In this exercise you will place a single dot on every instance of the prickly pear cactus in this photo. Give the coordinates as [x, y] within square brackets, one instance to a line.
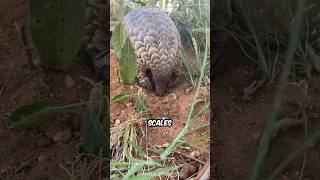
[56, 29]
[96, 36]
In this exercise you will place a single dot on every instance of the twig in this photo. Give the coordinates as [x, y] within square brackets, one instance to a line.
[26, 43]
[66, 171]
[181, 154]
[2, 87]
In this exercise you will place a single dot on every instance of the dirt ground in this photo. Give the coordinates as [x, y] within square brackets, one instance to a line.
[239, 124]
[33, 154]
[174, 105]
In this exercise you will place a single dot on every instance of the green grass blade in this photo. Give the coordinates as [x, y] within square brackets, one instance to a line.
[245, 8]
[309, 140]
[139, 149]
[134, 169]
[265, 140]
[185, 129]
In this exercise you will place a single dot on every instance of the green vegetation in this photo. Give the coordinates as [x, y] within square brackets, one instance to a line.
[131, 160]
[277, 51]
[56, 30]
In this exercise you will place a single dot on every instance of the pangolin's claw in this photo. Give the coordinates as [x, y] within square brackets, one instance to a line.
[146, 83]
[175, 81]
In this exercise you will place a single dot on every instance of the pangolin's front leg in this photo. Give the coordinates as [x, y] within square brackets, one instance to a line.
[143, 77]
[175, 79]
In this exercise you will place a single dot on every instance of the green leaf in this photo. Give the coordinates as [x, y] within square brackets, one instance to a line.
[141, 103]
[121, 97]
[125, 52]
[117, 163]
[118, 38]
[139, 149]
[57, 28]
[155, 173]
[139, 178]
[202, 30]
[29, 115]
[158, 150]
[127, 63]
[161, 171]
[134, 169]
[94, 132]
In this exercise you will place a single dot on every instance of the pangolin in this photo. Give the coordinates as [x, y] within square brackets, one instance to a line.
[96, 36]
[157, 45]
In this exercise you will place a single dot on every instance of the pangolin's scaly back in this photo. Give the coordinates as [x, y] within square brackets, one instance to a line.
[155, 39]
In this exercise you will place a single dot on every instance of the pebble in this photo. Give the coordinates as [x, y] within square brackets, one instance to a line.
[195, 154]
[189, 90]
[24, 166]
[63, 136]
[187, 170]
[43, 158]
[117, 122]
[43, 142]
[165, 100]
[129, 104]
[256, 136]
[174, 96]
[68, 81]
[77, 134]
[165, 145]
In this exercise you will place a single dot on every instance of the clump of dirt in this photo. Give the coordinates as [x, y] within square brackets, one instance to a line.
[174, 105]
[41, 152]
[239, 124]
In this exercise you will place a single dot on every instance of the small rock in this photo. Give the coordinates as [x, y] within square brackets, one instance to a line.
[189, 90]
[256, 136]
[117, 122]
[195, 154]
[43, 158]
[49, 133]
[68, 81]
[43, 142]
[23, 167]
[129, 104]
[165, 145]
[165, 100]
[180, 161]
[174, 96]
[77, 134]
[64, 136]
[187, 170]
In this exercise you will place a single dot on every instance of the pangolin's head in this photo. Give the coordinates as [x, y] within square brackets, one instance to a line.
[161, 80]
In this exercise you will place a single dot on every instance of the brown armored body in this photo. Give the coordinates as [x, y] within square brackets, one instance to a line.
[96, 36]
[157, 44]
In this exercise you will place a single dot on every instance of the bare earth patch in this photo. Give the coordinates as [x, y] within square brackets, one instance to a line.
[40, 152]
[174, 105]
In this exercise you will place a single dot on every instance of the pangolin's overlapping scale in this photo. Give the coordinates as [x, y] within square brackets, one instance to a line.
[95, 36]
[155, 38]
